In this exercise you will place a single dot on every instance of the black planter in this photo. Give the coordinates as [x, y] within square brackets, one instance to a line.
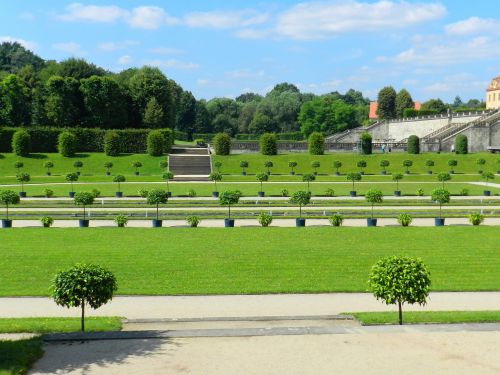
[136, 173]
[169, 194]
[22, 194]
[229, 223]
[300, 222]
[6, 223]
[215, 194]
[156, 223]
[383, 172]
[438, 222]
[429, 172]
[406, 172]
[78, 173]
[261, 194]
[337, 173]
[315, 173]
[46, 225]
[361, 173]
[108, 173]
[498, 172]
[71, 194]
[83, 223]
[243, 173]
[486, 193]
[292, 173]
[49, 174]
[352, 193]
[397, 193]
[119, 194]
[371, 222]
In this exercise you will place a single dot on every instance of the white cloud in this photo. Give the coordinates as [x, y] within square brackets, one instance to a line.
[473, 25]
[246, 73]
[225, 19]
[115, 46]
[25, 43]
[166, 51]
[125, 60]
[27, 16]
[150, 17]
[252, 33]
[92, 13]
[69, 47]
[315, 20]
[172, 64]
[455, 83]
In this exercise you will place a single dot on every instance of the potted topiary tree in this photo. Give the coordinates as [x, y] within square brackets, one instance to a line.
[121, 221]
[155, 198]
[486, 176]
[71, 177]
[261, 177]
[361, 165]
[18, 165]
[47, 221]
[308, 177]
[108, 165]
[429, 163]
[229, 198]
[292, 165]
[23, 177]
[48, 165]
[215, 177]
[168, 176]
[373, 196]
[452, 163]
[268, 164]
[119, 179]
[337, 164]
[440, 196]
[384, 164]
[8, 197]
[78, 164]
[443, 177]
[480, 162]
[243, 166]
[218, 166]
[397, 177]
[301, 198]
[265, 219]
[315, 165]
[84, 199]
[407, 164]
[353, 177]
[136, 165]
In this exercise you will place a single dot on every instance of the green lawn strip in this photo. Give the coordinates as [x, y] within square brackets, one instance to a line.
[16, 357]
[187, 261]
[52, 325]
[427, 317]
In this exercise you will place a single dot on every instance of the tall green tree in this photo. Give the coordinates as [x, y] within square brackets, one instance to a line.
[13, 56]
[154, 117]
[78, 69]
[261, 124]
[202, 122]
[186, 113]
[387, 103]
[14, 101]
[434, 105]
[403, 101]
[62, 101]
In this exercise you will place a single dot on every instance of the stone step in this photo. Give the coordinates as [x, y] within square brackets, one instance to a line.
[190, 165]
[189, 151]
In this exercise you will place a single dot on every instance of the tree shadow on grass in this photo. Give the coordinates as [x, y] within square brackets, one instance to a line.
[64, 357]
[82, 156]
[16, 356]
[2, 157]
[36, 156]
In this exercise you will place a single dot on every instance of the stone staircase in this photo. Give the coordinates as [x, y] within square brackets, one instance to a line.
[190, 163]
[339, 137]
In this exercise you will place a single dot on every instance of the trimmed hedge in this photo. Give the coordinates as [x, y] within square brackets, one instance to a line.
[21, 143]
[155, 143]
[222, 144]
[461, 144]
[66, 144]
[292, 136]
[413, 144]
[316, 144]
[268, 144]
[111, 143]
[366, 143]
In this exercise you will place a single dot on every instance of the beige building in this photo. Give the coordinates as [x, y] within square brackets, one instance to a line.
[493, 94]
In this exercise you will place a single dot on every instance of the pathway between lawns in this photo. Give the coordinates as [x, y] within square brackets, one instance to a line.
[268, 305]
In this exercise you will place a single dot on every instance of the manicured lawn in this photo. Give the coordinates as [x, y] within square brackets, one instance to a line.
[51, 325]
[180, 261]
[16, 357]
[424, 317]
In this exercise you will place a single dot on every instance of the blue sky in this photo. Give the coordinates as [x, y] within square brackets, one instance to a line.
[223, 48]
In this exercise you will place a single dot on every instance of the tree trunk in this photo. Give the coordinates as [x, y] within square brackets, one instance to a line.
[229, 210]
[372, 210]
[157, 213]
[7, 208]
[168, 187]
[300, 211]
[83, 316]
[400, 314]
[83, 212]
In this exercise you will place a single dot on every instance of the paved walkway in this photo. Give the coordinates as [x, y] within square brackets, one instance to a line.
[157, 307]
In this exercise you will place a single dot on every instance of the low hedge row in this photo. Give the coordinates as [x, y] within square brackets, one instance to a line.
[88, 139]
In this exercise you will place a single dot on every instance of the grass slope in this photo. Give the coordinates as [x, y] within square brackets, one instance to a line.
[427, 317]
[51, 325]
[180, 261]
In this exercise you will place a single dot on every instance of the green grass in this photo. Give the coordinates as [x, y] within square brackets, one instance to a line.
[51, 325]
[16, 357]
[177, 261]
[427, 317]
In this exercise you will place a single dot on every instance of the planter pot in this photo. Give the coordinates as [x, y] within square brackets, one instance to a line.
[300, 222]
[352, 193]
[169, 194]
[361, 173]
[108, 173]
[46, 225]
[337, 173]
[78, 173]
[6, 223]
[83, 223]
[215, 194]
[49, 174]
[156, 223]
[383, 172]
[292, 173]
[486, 193]
[406, 172]
[243, 173]
[438, 222]
[22, 194]
[229, 223]
[397, 193]
[268, 173]
[371, 222]
[315, 173]
[71, 194]
[136, 173]
[498, 172]
[452, 172]
[260, 194]
[429, 172]
[119, 194]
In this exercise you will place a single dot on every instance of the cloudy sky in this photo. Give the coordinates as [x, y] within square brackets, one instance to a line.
[223, 48]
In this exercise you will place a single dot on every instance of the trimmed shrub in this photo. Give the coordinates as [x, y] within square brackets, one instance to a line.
[366, 143]
[268, 144]
[47, 221]
[461, 144]
[48, 193]
[336, 220]
[155, 143]
[121, 221]
[222, 144]
[404, 219]
[284, 192]
[111, 143]
[265, 219]
[476, 219]
[193, 221]
[66, 144]
[316, 143]
[21, 143]
[413, 144]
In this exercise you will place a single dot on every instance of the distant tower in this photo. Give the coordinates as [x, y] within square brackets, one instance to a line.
[493, 94]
